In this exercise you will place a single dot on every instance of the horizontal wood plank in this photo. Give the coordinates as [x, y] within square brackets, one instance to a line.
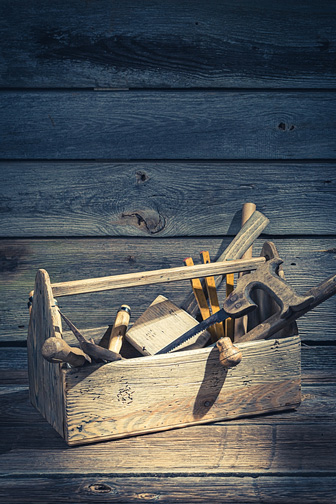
[168, 125]
[187, 489]
[163, 199]
[230, 448]
[152, 394]
[318, 367]
[307, 261]
[168, 44]
[318, 405]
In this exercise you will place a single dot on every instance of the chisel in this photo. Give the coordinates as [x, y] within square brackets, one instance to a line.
[119, 329]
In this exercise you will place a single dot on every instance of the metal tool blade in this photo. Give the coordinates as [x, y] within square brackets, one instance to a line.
[91, 349]
[214, 319]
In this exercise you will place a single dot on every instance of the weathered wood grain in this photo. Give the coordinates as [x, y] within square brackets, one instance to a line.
[163, 198]
[230, 449]
[45, 379]
[165, 275]
[318, 367]
[318, 405]
[156, 393]
[168, 44]
[180, 489]
[308, 261]
[168, 125]
[150, 333]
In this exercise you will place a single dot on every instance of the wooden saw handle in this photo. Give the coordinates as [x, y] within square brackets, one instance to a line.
[229, 355]
[56, 350]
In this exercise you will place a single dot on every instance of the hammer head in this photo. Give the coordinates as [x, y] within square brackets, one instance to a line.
[267, 279]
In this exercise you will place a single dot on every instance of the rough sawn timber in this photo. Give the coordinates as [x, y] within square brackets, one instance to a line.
[149, 394]
[45, 380]
[164, 199]
[172, 44]
[159, 125]
[165, 275]
[318, 365]
[222, 449]
[167, 489]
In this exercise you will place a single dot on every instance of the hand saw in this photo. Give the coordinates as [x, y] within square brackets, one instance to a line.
[239, 302]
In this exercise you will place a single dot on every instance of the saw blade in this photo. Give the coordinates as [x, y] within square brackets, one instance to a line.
[214, 319]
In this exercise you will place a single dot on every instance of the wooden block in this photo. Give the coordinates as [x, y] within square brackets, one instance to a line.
[161, 324]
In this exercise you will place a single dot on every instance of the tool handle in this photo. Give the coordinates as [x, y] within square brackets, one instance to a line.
[229, 355]
[266, 278]
[30, 301]
[153, 277]
[119, 328]
[275, 323]
[57, 350]
[243, 240]
[240, 324]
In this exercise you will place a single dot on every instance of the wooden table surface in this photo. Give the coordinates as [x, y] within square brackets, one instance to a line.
[283, 457]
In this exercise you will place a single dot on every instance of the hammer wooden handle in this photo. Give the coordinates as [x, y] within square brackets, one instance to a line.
[57, 350]
[240, 324]
[244, 239]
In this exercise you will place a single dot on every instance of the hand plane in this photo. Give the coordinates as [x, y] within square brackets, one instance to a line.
[239, 303]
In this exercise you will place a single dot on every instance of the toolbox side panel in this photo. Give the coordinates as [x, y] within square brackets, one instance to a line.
[156, 393]
[45, 379]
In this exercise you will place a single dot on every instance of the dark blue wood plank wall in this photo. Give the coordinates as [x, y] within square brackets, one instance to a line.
[122, 122]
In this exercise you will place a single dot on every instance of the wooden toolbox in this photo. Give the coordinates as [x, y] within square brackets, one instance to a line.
[106, 401]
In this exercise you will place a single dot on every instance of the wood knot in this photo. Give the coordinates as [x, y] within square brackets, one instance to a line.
[148, 496]
[141, 177]
[286, 127]
[149, 221]
[100, 488]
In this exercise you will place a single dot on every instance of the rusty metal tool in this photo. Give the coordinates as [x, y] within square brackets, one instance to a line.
[239, 302]
[89, 348]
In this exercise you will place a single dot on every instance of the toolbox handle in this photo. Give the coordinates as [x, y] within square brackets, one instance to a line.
[153, 277]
